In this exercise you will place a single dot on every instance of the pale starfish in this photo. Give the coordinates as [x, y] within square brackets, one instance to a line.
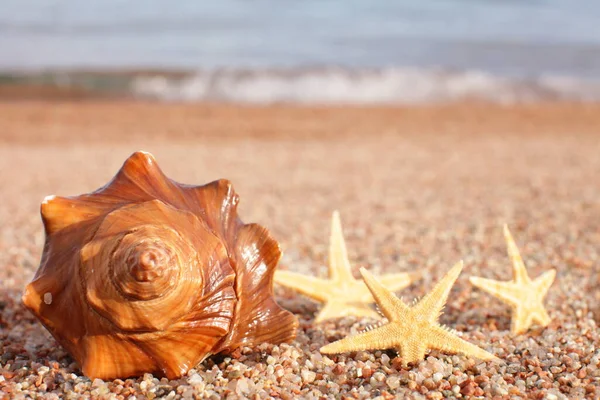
[411, 330]
[342, 294]
[523, 295]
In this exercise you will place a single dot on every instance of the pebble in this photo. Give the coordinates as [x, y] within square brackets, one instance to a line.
[242, 386]
[308, 376]
[97, 382]
[195, 379]
[393, 382]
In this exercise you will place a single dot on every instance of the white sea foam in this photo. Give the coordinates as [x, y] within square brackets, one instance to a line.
[340, 86]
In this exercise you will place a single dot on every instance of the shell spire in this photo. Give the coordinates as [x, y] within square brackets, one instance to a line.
[166, 274]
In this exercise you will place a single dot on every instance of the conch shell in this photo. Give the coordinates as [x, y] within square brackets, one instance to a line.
[149, 275]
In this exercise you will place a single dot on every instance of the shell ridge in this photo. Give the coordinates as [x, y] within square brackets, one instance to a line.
[141, 172]
[257, 316]
[55, 266]
[215, 202]
[104, 353]
[136, 172]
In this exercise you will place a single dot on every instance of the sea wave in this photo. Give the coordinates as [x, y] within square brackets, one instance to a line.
[337, 85]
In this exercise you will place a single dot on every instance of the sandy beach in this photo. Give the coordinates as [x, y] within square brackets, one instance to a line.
[417, 187]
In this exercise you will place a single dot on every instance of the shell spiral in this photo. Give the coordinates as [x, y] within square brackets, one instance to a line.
[149, 275]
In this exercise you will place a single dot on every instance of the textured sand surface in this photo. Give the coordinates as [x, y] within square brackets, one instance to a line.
[417, 188]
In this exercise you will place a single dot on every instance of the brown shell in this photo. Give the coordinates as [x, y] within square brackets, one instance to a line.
[149, 275]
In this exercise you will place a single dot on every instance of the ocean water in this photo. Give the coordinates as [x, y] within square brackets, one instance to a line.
[315, 50]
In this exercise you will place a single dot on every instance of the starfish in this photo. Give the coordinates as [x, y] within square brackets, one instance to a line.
[410, 330]
[523, 295]
[342, 294]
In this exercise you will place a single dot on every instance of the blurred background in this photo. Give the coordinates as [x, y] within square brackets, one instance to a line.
[266, 51]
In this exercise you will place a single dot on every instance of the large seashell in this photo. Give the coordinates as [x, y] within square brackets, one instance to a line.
[149, 275]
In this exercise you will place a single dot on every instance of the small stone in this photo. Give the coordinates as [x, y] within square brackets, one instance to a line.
[338, 369]
[242, 386]
[43, 370]
[429, 384]
[437, 377]
[499, 390]
[556, 370]
[385, 359]
[270, 360]
[328, 361]
[379, 377]
[195, 379]
[235, 374]
[393, 382]
[316, 358]
[308, 376]
[467, 390]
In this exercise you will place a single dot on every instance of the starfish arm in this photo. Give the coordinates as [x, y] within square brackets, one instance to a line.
[432, 304]
[544, 281]
[541, 317]
[412, 352]
[363, 295]
[392, 282]
[520, 321]
[391, 306]
[515, 257]
[339, 265]
[312, 287]
[443, 339]
[384, 337]
[396, 282]
[338, 309]
[505, 291]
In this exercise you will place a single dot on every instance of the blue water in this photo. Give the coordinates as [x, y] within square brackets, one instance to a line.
[509, 37]
[317, 50]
